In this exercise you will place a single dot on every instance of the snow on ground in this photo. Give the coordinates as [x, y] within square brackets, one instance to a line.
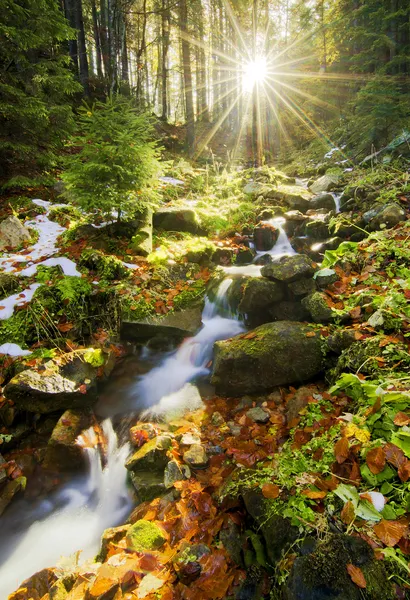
[69, 267]
[13, 350]
[7, 304]
[171, 181]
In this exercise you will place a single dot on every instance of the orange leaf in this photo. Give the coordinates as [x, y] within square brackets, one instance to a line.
[348, 515]
[341, 450]
[394, 455]
[313, 494]
[311, 334]
[401, 419]
[390, 532]
[83, 388]
[356, 575]
[65, 327]
[376, 460]
[270, 490]
[404, 471]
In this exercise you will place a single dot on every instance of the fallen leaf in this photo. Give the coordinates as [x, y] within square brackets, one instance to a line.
[401, 419]
[356, 575]
[270, 490]
[311, 334]
[149, 584]
[376, 460]
[341, 450]
[82, 389]
[348, 513]
[313, 494]
[390, 532]
[394, 455]
[63, 327]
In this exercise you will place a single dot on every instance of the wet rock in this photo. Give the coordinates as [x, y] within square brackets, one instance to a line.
[323, 200]
[324, 184]
[8, 284]
[148, 485]
[35, 587]
[387, 217]
[278, 354]
[70, 383]
[151, 456]
[177, 219]
[317, 229]
[258, 414]
[148, 429]
[13, 233]
[265, 259]
[289, 310]
[323, 573]
[326, 277]
[289, 269]
[223, 256]
[265, 237]
[112, 535]
[245, 256]
[217, 419]
[269, 213]
[302, 287]
[175, 472]
[341, 340]
[196, 457]
[318, 308]
[232, 539]
[186, 562]
[144, 535]
[63, 454]
[259, 294]
[293, 196]
[234, 428]
[10, 489]
[177, 326]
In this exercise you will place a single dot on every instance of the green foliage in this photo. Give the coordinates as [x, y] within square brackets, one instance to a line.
[116, 167]
[107, 267]
[333, 256]
[35, 87]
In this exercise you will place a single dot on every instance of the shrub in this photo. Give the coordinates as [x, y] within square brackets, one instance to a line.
[117, 164]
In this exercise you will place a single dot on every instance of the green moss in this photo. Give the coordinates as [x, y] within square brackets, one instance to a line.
[190, 296]
[106, 266]
[144, 535]
[94, 357]
[64, 215]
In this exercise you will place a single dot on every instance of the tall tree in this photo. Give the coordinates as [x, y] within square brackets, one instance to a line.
[187, 71]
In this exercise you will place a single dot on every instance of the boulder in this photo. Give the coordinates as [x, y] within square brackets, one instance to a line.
[265, 237]
[177, 326]
[9, 490]
[36, 587]
[324, 184]
[295, 197]
[289, 310]
[289, 268]
[302, 287]
[278, 353]
[317, 229]
[141, 241]
[318, 307]
[322, 573]
[177, 219]
[245, 256]
[151, 456]
[196, 457]
[223, 256]
[388, 216]
[257, 188]
[264, 259]
[13, 233]
[69, 383]
[143, 536]
[258, 294]
[323, 200]
[148, 485]
[8, 284]
[62, 453]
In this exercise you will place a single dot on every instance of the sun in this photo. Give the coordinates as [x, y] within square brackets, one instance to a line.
[254, 72]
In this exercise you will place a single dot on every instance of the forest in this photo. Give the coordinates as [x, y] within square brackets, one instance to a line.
[204, 299]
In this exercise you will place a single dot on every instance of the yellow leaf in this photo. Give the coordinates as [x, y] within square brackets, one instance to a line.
[362, 435]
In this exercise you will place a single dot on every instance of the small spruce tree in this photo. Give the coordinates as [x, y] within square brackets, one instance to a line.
[115, 170]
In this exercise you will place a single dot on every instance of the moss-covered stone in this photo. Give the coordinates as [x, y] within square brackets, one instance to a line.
[177, 219]
[294, 196]
[107, 267]
[258, 294]
[148, 485]
[143, 536]
[277, 354]
[318, 308]
[152, 455]
[289, 268]
[302, 287]
[62, 453]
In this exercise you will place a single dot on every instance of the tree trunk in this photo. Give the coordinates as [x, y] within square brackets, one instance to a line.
[69, 9]
[97, 39]
[82, 48]
[165, 31]
[186, 59]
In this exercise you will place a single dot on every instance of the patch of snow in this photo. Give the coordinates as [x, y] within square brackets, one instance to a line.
[13, 350]
[376, 498]
[69, 267]
[171, 180]
[130, 265]
[7, 304]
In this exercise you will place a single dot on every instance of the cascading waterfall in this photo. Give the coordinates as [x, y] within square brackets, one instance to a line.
[160, 389]
[336, 198]
[71, 521]
[282, 247]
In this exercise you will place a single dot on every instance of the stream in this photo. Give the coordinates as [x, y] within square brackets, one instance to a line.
[74, 517]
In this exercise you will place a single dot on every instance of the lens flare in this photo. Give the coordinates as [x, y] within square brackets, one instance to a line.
[254, 72]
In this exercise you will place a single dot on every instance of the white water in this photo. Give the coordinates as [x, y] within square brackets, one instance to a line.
[190, 361]
[282, 247]
[77, 515]
[336, 198]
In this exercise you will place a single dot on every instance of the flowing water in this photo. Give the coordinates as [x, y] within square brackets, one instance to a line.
[71, 520]
[282, 247]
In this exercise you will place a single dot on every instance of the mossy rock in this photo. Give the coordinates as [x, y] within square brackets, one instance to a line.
[275, 354]
[289, 269]
[259, 294]
[8, 284]
[177, 219]
[295, 197]
[107, 267]
[143, 536]
[323, 573]
[152, 455]
[318, 308]
[148, 485]
[62, 453]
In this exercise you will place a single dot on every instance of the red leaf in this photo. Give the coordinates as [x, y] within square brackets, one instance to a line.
[401, 419]
[65, 327]
[356, 575]
[376, 460]
[390, 532]
[394, 455]
[341, 450]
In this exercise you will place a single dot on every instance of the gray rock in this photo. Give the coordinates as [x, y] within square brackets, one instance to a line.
[317, 229]
[148, 485]
[302, 287]
[341, 340]
[245, 256]
[13, 233]
[324, 184]
[388, 217]
[294, 196]
[196, 457]
[177, 219]
[62, 453]
[70, 383]
[289, 310]
[326, 277]
[177, 325]
[323, 200]
[175, 472]
[151, 456]
[259, 294]
[318, 308]
[233, 540]
[264, 259]
[258, 414]
[289, 269]
[257, 188]
[278, 353]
